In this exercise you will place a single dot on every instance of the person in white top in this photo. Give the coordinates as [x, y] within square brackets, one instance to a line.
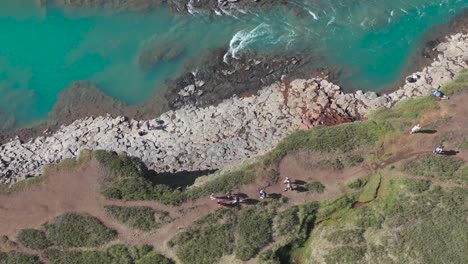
[415, 129]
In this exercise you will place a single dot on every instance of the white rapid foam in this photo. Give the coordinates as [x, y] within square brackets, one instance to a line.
[312, 14]
[243, 38]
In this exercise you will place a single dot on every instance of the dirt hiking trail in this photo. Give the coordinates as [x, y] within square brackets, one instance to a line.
[78, 190]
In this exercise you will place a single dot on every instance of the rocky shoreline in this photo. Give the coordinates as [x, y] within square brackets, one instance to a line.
[216, 7]
[216, 137]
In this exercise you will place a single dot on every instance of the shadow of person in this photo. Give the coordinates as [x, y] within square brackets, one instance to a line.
[427, 131]
[274, 195]
[299, 182]
[300, 189]
[242, 195]
[450, 152]
[249, 201]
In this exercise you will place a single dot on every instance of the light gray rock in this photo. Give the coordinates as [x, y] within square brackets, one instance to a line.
[217, 137]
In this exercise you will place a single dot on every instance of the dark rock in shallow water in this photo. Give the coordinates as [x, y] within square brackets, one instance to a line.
[114, 5]
[82, 99]
[154, 53]
[177, 6]
[213, 80]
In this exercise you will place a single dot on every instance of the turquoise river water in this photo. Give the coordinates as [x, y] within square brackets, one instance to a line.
[43, 50]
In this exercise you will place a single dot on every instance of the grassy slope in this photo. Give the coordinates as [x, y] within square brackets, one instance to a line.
[409, 221]
[139, 217]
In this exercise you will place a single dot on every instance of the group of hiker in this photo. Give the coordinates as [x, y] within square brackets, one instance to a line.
[234, 199]
[231, 198]
[417, 128]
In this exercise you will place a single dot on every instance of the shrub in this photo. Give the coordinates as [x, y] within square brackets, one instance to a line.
[295, 223]
[207, 239]
[434, 166]
[358, 183]
[354, 160]
[139, 217]
[346, 236]
[33, 238]
[346, 254]
[315, 187]
[76, 230]
[268, 257]
[335, 164]
[204, 245]
[253, 231]
[18, 258]
[129, 179]
[113, 254]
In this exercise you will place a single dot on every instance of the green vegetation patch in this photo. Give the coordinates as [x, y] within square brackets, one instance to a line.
[32, 238]
[345, 137]
[346, 236]
[464, 145]
[139, 217]
[458, 85]
[21, 185]
[129, 179]
[315, 187]
[120, 254]
[369, 192]
[437, 166]
[405, 112]
[411, 221]
[335, 208]
[346, 254]
[253, 232]
[18, 258]
[77, 230]
[358, 183]
[242, 230]
[207, 240]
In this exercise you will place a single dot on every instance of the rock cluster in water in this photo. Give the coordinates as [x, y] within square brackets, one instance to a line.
[215, 137]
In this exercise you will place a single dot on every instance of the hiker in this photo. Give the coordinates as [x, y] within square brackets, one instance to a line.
[229, 194]
[415, 129]
[236, 200]
[440, 95]
[213, 196]
[263, 194]
[412, 78]
[220, 203]
[287, 181]
[439, 149]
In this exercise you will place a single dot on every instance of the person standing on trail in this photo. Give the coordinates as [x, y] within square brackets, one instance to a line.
[415, 129]
[287, 181]
[263, 194]
[213, 196]
[236, 199]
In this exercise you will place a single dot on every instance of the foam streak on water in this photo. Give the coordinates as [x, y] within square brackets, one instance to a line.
[43, 50]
